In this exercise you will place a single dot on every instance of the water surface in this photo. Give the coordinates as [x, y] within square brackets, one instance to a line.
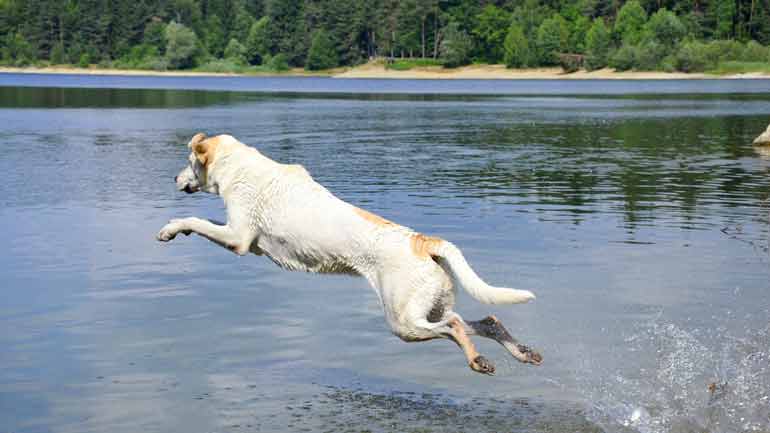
[642, 224]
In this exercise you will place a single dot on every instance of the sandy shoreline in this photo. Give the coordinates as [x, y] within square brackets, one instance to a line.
[378, 71]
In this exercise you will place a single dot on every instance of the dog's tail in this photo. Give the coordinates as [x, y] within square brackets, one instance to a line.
[452, 261]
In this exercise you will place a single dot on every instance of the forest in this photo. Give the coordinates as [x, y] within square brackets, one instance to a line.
[274, 35]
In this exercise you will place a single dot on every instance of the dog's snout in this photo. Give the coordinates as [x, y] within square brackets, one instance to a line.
[175, 178]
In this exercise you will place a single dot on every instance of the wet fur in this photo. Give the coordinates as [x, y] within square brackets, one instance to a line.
[279, 211]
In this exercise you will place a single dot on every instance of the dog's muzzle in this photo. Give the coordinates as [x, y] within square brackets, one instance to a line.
[188, 189]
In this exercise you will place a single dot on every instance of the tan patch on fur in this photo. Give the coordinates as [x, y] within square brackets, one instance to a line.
[373, 218]
[424, 246]
[204, 148]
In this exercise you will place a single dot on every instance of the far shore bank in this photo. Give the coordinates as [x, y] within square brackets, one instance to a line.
[379, 71]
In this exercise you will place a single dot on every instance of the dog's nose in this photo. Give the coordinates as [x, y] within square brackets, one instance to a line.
[175, 177]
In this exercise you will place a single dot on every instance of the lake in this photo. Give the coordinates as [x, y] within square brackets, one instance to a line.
[638, 212]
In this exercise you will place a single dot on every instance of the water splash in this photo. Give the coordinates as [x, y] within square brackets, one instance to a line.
[680, 381]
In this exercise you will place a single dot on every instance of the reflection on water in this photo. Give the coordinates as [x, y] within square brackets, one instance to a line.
[641, 223]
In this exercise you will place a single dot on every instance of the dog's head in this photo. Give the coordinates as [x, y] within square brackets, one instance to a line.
[195, 177]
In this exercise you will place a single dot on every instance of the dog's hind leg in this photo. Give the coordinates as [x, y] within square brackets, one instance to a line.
[490, 327]
[454, 329]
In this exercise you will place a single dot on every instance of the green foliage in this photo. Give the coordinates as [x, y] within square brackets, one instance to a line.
[629, 23]
[456, 47]
[154, 35]
[517, 51]
[692, 57]
[181, 45]
[643, 34]
[214, 38]
[648, 56]
[577, 35]
[144, 56]
[278, 62]
[755, 52]
[258, 42]
[624, 58]
[407, 64]
[58, 54]
[322, 53]
[665, 28]
[740, 68]
[597, 45]
[235, 52]
[552, 38]
[724, 12]
[490, 31]
[17, 50]
[85, 60]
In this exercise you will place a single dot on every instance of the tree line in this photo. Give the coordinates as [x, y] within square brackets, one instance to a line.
[688, 35]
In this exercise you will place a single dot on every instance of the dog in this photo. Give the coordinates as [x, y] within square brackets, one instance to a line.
[279, 211]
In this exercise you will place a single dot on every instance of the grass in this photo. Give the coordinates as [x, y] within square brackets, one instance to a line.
[728, 68]
[407, 64]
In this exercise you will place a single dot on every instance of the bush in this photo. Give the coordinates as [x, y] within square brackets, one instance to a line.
[624, 58]
[648, 55]
[597, 45]
[235, 52]
[322, 53]
[692, 57]
[516, 48]
[724, 51]
[755, 52]
[456, 47]
[221, 66]
[279, 63]
[84, 61]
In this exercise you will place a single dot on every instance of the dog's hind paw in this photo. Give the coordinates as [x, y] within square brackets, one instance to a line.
[532, 357]
[483, 365]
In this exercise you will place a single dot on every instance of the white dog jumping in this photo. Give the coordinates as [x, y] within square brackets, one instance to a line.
[279, 211]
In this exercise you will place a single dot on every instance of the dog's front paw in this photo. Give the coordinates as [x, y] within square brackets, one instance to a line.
[170, 230]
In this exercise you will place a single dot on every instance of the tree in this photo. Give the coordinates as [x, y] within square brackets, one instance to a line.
[577, 36]
[456, 46]
[258, 42]
[597, 45]
[491, 29]
[517, 52]
[215, 36]
[287, 29]
[665, 28]
[552, 38]
[235, 52]
[630, 23]
[322, 53]
[724, 12]
[181, 45]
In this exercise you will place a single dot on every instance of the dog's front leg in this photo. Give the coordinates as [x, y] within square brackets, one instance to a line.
[224, 235]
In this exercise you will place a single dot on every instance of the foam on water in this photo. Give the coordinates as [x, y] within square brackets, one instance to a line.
[678, 380]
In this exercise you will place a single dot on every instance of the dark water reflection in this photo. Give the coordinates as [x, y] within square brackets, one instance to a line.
[641, 223]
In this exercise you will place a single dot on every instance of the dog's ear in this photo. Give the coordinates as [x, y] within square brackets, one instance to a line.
[199, 147]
